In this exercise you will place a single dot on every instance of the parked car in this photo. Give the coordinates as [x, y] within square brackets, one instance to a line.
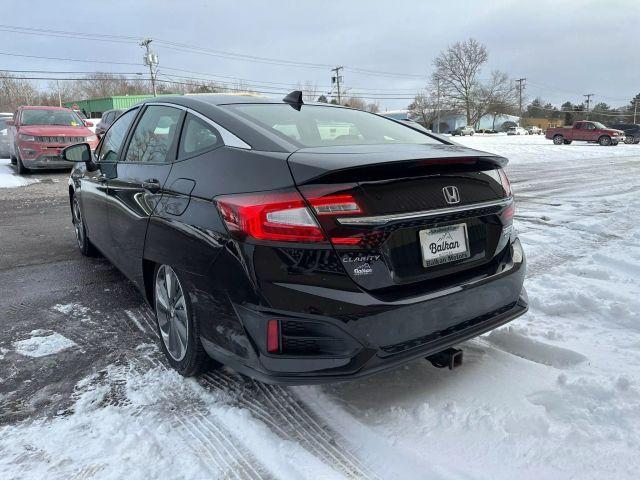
[486, 130]
[37, 135]
[585, 131]
[327, 262]
[107, 119]
[4, 138]
[534, 130]
[631, 131]
[517, 131]
[462, 131]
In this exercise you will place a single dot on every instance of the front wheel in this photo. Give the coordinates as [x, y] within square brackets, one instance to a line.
[178, 329]
[20, 166]
[604, 140]
[629, 140]
[558, 140]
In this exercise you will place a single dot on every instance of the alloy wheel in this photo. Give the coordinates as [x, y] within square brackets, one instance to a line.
[78, 224]
[171, 311]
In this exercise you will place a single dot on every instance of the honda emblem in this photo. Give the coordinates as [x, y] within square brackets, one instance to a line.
[451, 194]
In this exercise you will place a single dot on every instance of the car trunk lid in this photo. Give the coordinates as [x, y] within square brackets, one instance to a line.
[400, 192]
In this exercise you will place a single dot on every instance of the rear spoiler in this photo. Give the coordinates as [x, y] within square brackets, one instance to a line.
[310, 164]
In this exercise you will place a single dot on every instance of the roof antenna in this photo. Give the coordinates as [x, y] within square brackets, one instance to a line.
[294, 99]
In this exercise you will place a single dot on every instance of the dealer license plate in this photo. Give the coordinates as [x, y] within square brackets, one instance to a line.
[444, 244]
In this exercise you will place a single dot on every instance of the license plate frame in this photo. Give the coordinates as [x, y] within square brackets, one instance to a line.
[434, 244]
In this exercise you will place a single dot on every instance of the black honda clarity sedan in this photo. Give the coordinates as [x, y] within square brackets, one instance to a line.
[299, 243]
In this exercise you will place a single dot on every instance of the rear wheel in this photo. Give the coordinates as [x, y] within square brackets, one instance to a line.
[558, 140]
[604, 140]
[567, 142]
[84, 244]
[629, 139]
[177, 327]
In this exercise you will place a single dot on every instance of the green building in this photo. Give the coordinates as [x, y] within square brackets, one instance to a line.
[95, 107]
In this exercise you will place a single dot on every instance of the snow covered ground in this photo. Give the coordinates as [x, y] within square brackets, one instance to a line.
[554, 394]
[8, 177]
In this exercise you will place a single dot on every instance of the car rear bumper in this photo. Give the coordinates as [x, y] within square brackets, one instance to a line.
[376, 335]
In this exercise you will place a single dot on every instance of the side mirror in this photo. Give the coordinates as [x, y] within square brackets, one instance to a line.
[80, 152]
[10, 123]
[88, 123]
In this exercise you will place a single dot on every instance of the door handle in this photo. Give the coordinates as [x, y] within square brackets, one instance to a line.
[151, 184]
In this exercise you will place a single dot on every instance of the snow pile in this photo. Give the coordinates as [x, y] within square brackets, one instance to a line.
[8, 177]
[42, 344]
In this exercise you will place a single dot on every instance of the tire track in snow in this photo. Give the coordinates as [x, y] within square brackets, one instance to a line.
[275, 407]
[233, 460]
[289, 418]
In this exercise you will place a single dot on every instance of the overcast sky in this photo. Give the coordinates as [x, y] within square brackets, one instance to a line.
[563, 48]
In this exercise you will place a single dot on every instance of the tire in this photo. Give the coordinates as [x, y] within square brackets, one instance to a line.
[84, 244]
[567, 142]
[558, 140]
[604, 140]
[22, 170]
[636, 140]
[471, 134]
[629, 140]
[174, 315]
[613, 144]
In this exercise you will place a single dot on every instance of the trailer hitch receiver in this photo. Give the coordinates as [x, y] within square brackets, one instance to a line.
[451, 358]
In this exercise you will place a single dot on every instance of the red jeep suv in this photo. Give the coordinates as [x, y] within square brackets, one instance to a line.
[38, 134]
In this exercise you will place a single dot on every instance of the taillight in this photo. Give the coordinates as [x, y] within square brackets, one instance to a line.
[330, 202]
[506, 184]
[281, 216]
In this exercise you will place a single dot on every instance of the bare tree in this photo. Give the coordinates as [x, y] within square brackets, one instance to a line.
[16, 91]
[309, 91]
[424, 107]
[458, 71]
[360, 104]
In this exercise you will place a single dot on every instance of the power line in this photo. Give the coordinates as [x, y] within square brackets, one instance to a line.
[194, 49]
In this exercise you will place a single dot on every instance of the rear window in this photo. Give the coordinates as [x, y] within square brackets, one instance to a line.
[319, 126]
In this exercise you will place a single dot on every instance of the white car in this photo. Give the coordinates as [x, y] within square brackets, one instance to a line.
[534, 130]
[517, 131]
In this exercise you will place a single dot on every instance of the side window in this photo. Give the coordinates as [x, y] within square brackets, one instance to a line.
[114, 138]
[579, 126]
[589, 126]
[154, 135]
[198, 136]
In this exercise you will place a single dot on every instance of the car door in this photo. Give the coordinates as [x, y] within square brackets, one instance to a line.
[590, 132]
[93, 184]
[136, 186]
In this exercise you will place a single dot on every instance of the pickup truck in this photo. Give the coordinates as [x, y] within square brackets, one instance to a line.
[585, 131]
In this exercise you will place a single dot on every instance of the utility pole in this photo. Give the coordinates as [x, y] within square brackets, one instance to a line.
[521, 86]
[151, 59]
[59, 94]
[336, 80]
[588, 95]
[438, 104]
